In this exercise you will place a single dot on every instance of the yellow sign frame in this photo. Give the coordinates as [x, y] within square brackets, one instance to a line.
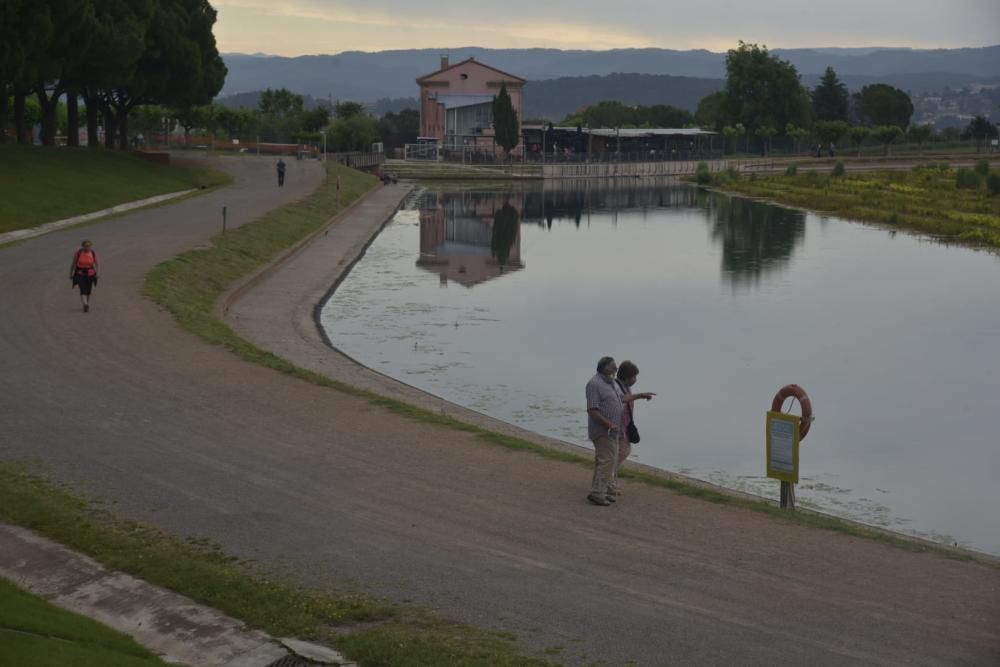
[778, 424]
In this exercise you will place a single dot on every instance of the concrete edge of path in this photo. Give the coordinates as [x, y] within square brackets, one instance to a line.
[32, 232]
[278, 308]
[174, 627]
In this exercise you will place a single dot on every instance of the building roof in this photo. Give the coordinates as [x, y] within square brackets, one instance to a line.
[466, 62]
[640, 131]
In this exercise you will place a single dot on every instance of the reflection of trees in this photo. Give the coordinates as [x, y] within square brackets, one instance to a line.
[505, 228]
[756, 238]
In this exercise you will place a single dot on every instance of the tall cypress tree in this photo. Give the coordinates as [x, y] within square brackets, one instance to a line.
[830, 98]
[507, 129]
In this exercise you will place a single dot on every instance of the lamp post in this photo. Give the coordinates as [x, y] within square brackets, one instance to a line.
[323, 132]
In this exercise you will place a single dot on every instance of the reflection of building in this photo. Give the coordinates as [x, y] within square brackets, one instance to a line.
[462, 235]
[456, 103]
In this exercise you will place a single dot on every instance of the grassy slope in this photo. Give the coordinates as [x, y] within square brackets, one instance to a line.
[34, 633]
[46, 184]
[924, 199]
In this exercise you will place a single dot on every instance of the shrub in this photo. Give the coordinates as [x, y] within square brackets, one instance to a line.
[993, 183]
[982, 168]
[838, 169]
[967, 179]
[703, 175]
[792, 170]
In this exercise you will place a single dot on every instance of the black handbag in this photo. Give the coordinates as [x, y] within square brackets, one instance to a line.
[632, 432]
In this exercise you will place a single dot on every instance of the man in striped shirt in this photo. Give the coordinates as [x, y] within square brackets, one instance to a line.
[605, 410]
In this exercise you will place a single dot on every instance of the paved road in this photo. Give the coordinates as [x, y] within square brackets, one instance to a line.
[121, 403]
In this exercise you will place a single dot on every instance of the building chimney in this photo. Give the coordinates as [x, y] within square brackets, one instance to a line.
[444, 61]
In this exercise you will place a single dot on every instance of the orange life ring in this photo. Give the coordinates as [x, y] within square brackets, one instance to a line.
[798, 393]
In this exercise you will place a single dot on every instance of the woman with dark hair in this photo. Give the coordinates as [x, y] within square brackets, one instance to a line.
[83, 272]
[628, 373]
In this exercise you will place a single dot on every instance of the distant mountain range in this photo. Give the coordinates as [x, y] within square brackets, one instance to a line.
[562, 81]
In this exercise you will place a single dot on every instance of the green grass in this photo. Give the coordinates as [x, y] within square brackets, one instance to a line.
[370, 631]
[925, 199]
[47, 184]
[35, 633]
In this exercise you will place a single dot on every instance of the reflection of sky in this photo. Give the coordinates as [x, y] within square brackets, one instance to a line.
[894, 338]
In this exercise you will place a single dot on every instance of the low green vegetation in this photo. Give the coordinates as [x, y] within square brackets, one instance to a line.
[48, 184]
[35, 633]
[958, 205]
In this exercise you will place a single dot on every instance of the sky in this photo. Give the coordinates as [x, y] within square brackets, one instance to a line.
[303, 27]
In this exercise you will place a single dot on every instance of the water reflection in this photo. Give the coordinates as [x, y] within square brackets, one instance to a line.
[471, 237]
[756, 238]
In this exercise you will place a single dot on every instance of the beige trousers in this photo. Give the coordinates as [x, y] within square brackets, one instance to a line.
[606, 456]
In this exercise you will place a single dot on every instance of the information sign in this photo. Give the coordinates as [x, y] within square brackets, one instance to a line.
[783, 447]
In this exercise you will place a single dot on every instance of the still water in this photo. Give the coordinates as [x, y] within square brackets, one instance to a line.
[503, 301]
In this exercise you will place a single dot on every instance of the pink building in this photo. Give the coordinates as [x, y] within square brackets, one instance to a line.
[456, 103]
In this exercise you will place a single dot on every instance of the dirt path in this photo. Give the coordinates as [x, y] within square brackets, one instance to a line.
[121, 403]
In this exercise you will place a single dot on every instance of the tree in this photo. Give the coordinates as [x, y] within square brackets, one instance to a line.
[829, 131]
[765, 133]
[399, 129]
[507, 128]
[729, 132]
[713, 111]
[664, 115]
[920, 134]
[179, 66]
[830, 98]
[11, 57]
[796, 134]
[281, 103]
[887, 134]
[881, 104]
[763, 90]
[356, 133]
[191, 117]
[348, 109]
[315, 120]
[980, 129]
[858, 134]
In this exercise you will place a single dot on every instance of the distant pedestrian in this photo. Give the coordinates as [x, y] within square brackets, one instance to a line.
[628, 373]
[832, 149]
[604, 428]
[83, 272]
[281, 172]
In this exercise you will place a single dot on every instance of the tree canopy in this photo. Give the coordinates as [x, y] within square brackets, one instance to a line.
[762, 90]
[116, 54]
[882, 104]
[830, 98]
[615, 114]
[506, 125]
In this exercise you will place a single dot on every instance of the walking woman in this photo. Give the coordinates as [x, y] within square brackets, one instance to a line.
[83, 272]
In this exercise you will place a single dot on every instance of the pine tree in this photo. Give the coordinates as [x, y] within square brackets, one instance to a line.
[830, 98]
[507, 129]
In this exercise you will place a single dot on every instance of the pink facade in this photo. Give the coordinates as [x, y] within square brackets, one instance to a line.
[456, 102]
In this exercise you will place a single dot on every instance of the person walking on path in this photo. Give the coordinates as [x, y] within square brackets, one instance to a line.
[605, 403]
[83, 272]
[628, 373]
[281, 172]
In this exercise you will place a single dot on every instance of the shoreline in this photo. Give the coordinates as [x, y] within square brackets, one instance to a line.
[304, 280]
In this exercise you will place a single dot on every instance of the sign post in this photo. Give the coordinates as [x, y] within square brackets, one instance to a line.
[783, 434]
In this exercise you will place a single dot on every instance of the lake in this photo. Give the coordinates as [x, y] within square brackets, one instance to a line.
[502, 300]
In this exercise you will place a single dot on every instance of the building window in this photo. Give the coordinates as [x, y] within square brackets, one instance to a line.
[463, 76]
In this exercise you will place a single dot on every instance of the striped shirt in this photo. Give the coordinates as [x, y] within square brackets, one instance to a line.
[603, 394]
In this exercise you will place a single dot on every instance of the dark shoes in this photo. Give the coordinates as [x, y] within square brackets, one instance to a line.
[595, 499]
[86, 308]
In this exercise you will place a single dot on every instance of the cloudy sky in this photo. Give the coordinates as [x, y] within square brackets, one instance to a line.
[299, 27]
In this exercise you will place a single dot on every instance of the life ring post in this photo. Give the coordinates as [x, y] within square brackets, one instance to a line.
[784, 434]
